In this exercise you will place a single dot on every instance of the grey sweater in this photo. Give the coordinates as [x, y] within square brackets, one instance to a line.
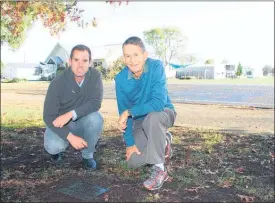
[65, 95]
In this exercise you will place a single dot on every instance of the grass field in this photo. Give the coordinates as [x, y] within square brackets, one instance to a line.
[207, 166]
[240, 81]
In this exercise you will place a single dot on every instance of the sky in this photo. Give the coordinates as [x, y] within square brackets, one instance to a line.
[236, 31]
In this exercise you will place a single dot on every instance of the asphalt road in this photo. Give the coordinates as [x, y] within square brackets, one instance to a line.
[237, 95]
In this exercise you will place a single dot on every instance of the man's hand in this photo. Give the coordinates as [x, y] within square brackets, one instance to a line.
[130, 151]
[122, 121]
[60, 121]
[77, 142]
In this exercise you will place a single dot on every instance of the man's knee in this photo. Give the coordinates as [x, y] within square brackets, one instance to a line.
[94, 120]
[55, 146]
[152, 119]
[136, 161]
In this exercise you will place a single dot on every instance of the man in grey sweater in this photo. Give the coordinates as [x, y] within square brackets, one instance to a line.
[71, 108]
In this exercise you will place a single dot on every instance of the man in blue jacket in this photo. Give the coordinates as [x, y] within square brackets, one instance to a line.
[145, 110]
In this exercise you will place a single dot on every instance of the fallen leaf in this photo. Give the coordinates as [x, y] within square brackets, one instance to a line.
[246, 199]
[239, 170]
[106, 197]
[254, 150]
[191, 190]
[22, 166]
[195, 189]
[156, 196]
[272, 154]
[209, 171]
[226, 184]
[170, 179]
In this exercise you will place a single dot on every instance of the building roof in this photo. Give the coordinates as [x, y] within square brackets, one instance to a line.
[112, 51]
[56, 59]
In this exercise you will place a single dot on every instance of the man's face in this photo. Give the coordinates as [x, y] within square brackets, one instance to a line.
[80, 63]
[134, 58]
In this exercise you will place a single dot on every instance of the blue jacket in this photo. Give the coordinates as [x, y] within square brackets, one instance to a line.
[141, 96]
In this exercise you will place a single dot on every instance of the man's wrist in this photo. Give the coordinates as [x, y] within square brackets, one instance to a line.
[70, 135]
[129, 112]
[129, 147]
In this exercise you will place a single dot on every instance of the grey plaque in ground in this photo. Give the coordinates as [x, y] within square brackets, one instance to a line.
[83, 190]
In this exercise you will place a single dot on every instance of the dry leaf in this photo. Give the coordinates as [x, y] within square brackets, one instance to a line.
[170, 179]
[246, 199]
[22, 166]
[254, 150]
[191, 190]
[106, 197]
[272, 154]
[239, 170]
[195, 189]
[226, 184]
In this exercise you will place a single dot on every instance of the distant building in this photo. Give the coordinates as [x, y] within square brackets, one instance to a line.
[201, 71]
[59, 58]
[27, 71]
[230, 70]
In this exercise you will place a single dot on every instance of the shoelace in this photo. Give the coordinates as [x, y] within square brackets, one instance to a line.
[154, 172]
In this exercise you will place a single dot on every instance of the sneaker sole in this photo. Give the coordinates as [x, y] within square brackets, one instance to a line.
[151, 189]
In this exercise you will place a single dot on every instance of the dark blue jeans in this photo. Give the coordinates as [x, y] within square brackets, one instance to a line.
[88, 127]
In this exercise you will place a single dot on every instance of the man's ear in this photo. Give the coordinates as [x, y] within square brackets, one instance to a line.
[70, 62]
[123, 59]
[91, 63]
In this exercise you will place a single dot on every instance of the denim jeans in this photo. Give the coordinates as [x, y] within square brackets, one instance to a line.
[88, 127]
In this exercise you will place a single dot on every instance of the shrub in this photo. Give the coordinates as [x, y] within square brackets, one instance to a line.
[17, 80]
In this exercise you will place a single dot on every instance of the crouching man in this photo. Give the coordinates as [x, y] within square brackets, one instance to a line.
[71, 109]
[146, 112]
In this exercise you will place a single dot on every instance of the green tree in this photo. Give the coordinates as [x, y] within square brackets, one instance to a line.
[267, 69]
[167, 42]
[209, 61]
[17, 18]
[239, 70]
[117, 66]
[2, 67]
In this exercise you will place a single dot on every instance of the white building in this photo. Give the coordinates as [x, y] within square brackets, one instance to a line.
[21, 70]
[202, 71]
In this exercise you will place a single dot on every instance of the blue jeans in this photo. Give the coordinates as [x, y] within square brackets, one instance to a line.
[88, 127]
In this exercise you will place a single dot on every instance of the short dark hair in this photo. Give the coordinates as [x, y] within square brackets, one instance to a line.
[81, 47]
[135, 41]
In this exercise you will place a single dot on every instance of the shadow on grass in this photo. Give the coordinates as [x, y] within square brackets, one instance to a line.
[207, 166]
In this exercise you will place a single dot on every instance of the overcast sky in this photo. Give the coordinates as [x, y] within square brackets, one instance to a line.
[237, 31]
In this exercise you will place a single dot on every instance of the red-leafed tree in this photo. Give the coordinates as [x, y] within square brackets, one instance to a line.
[18, 16]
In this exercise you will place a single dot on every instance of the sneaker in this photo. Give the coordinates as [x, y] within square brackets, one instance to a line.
[89, 163]
[156, 179]
[168, 148]
[56, 158]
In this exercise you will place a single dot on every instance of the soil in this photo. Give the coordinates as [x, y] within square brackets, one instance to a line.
[241, 164]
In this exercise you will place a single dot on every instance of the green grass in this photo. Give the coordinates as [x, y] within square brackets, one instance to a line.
[21, 117]
[242, 81]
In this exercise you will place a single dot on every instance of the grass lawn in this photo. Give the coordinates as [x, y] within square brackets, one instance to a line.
[207, 166]
[241, 81]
